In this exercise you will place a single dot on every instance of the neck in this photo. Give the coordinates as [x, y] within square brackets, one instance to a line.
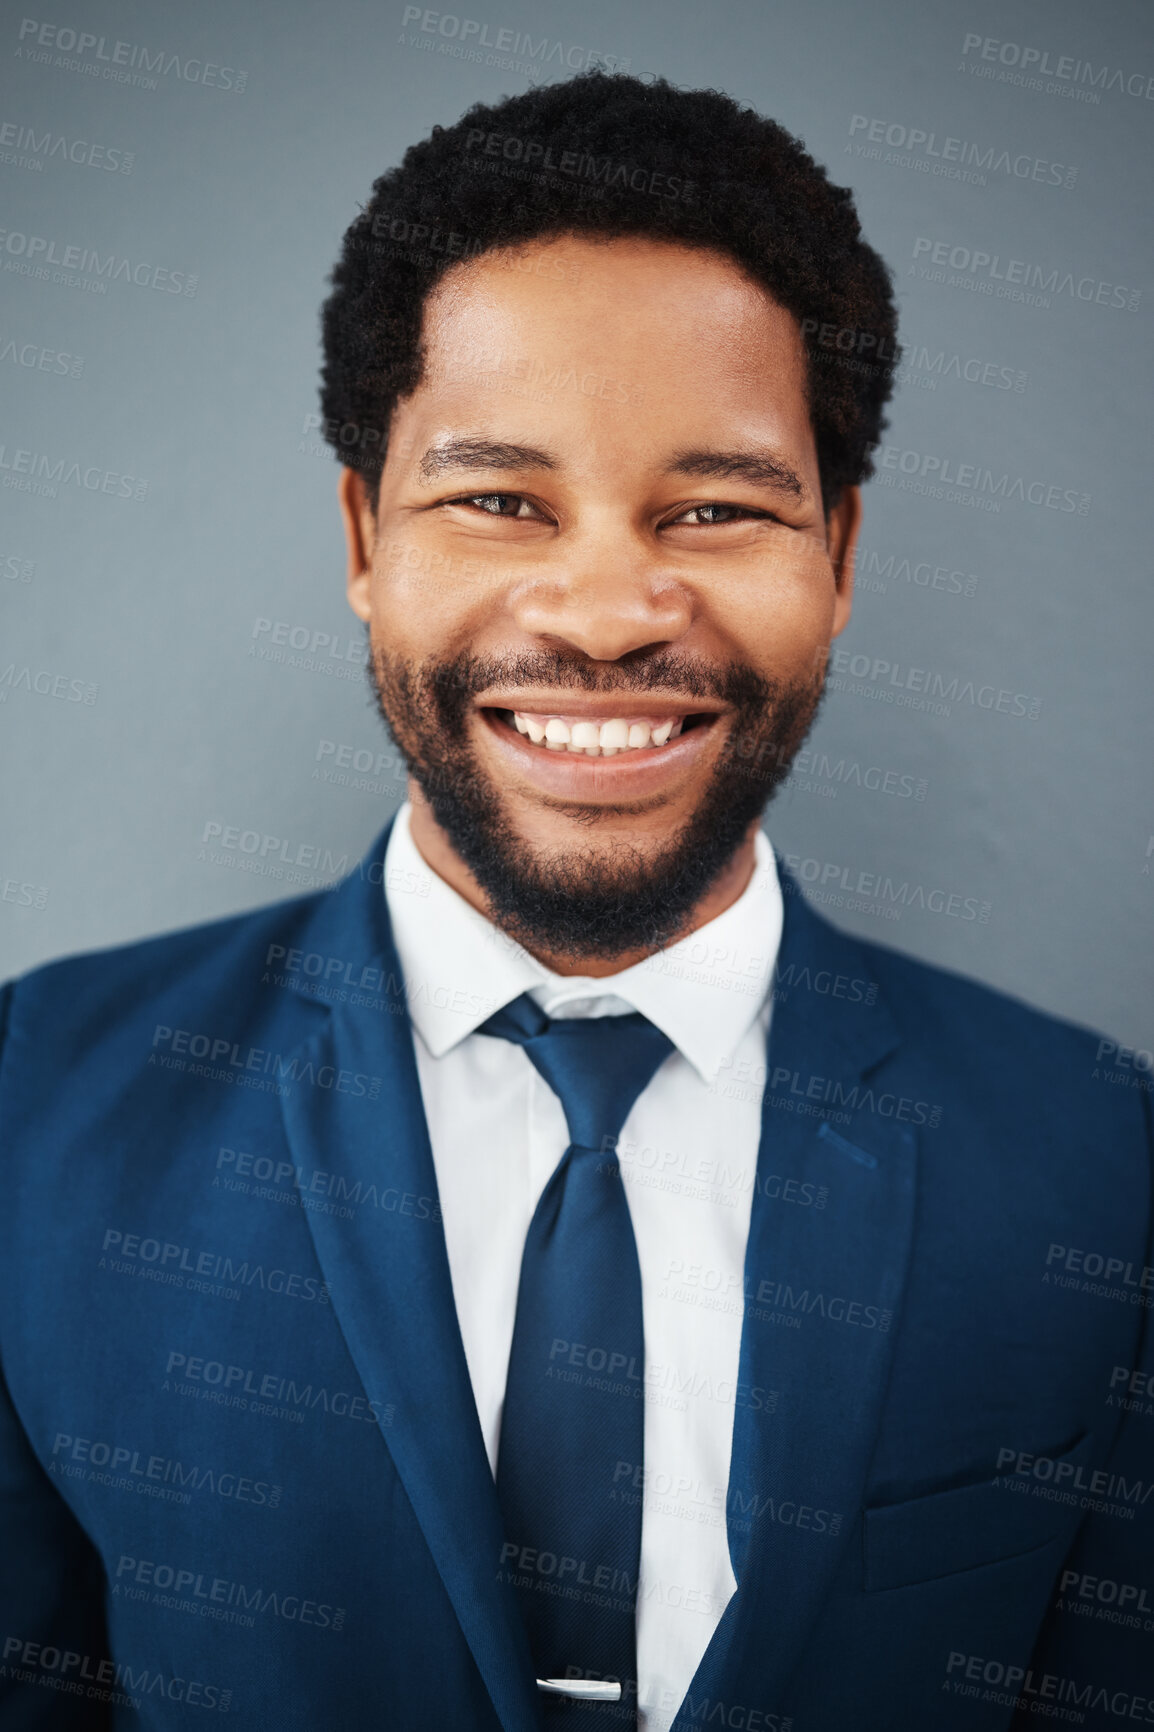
[442, 858]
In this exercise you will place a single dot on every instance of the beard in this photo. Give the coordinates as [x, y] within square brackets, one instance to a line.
[581, 902]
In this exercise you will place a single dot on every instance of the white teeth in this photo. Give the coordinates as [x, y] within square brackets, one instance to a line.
[595, 739]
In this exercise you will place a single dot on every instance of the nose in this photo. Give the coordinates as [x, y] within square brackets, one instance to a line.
[603, 593]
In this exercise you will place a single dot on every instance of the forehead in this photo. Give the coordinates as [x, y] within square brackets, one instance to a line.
[657, 304]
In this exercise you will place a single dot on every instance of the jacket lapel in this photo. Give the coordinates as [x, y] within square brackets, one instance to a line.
[388, 1273]
[836, 1266]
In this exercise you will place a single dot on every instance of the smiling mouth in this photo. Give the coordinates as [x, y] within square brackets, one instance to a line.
[600, 737]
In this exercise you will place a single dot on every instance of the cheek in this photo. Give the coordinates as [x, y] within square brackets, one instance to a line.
[406, 581]
[440, 603]
[786, 632]
[411, 612]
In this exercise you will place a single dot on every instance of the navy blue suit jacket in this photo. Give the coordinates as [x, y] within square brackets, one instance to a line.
[241, 1469]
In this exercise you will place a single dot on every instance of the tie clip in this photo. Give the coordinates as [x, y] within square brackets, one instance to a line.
[581, 1689]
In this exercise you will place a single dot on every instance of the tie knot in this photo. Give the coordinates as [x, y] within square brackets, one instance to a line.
[596, 1066]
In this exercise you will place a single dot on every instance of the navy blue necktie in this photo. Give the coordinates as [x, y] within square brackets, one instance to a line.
[574, 1400]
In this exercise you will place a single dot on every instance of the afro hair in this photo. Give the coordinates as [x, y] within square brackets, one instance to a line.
[610, 155]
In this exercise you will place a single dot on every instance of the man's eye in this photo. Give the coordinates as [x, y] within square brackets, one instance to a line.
[497, 504]
[704, 515]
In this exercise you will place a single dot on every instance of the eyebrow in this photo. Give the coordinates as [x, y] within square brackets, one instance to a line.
[481, 453]
[758, 467]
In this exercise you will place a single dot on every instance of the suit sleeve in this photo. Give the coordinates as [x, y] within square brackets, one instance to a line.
[51, 1579]
[1095, 1653]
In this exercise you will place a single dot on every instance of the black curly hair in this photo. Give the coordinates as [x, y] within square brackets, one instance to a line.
[607, 154]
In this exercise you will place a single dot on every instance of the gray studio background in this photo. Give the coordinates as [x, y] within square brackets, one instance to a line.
[136, 715]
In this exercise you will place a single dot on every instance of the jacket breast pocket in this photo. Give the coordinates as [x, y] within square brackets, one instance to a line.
[988, 1522]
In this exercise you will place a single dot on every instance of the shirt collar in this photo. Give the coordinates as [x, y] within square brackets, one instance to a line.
[704, 992]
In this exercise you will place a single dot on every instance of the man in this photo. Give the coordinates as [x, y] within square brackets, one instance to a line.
[554, 1278]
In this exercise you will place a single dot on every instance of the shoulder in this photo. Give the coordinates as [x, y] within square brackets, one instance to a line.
[990, 1057]
[247, 969]
[214, 969]
[1013, 1063]
[931, 1003]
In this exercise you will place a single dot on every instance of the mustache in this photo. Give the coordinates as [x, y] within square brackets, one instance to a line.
[665, 673]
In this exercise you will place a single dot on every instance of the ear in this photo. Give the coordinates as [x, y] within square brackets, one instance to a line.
[360, 536]
[841, 533]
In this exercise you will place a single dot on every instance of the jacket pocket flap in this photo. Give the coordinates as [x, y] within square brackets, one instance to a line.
[947, 1531]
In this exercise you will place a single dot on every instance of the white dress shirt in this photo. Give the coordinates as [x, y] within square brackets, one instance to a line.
[688, 1155]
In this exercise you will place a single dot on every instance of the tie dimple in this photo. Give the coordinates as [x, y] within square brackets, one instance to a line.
[596, 1066]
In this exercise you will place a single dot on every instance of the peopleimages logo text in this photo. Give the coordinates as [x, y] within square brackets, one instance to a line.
[1038, 62]
[291, 1067]
[41, 146]
[916, 142]
[37, 251]
[452, 27]
[881, 671]
[980, 482]
[1044, 279]
[119, 60]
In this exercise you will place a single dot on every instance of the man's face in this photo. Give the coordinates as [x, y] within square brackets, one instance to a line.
[599, 583]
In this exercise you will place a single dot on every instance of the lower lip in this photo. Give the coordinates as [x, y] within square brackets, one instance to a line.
[631, 775]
